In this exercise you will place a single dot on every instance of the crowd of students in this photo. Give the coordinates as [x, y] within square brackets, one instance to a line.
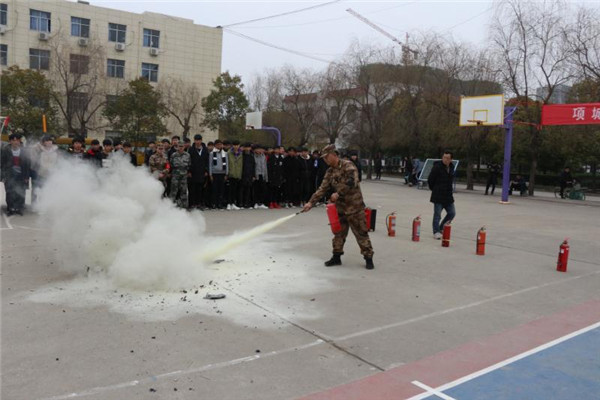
[230, 175]
[216, 175]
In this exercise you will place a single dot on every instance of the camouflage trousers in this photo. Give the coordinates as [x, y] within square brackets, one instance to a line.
[179, 191]
[358, 223]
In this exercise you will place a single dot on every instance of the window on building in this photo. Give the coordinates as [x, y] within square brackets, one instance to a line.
[39, 21]
[151, 38]
[77, 102]
[111, 99]
[38, 102]
[351, 114]
[117, 33]
[3, 14]
[113, 134]
[39, 59]
[80, 27]
[79, 64]
[150, 72]
[116, 68]
[3, 54]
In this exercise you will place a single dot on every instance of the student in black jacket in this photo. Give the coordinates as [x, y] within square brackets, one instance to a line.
[248, 176]
[440, 182]
[15, 174]
[199, 170]
[291, 173]
[275, 172]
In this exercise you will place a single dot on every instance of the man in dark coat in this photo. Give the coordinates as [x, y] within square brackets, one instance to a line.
[248, 176]
[199, 171]
[493, 172]
[15, 174]
[566, 179]
[440, 182]
[306, 188]
[291, 173]
[275, 172]
[356, 161]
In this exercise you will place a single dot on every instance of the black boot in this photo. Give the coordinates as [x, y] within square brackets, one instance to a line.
[369, 264]
[335, 260]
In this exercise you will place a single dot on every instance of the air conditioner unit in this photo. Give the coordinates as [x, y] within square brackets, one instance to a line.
[120, 46]
[82, 42]
[2, 29]
[154, 52]
[43, 35]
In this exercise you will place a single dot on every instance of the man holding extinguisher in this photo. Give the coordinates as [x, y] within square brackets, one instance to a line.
[440, 182]
[342, 179]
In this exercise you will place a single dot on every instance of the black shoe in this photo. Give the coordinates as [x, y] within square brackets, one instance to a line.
[9, 213]
[20, 212]
[369, 264]
[335, 260]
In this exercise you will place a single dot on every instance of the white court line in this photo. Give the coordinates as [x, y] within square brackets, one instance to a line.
[459, 308]
[7, 222]
[101, 389]
[432, 391]
[208, 367]
[508, 361]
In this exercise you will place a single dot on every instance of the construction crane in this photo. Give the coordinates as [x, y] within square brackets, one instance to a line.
[405, 49]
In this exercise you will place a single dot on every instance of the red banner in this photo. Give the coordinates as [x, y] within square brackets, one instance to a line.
[571, 114]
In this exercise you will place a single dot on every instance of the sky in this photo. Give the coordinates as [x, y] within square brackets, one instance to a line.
[322, 33]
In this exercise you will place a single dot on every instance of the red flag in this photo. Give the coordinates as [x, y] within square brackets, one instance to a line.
[571, 114]
[6, 120]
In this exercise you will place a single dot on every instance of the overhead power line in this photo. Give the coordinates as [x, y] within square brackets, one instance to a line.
[320, 21]
[296, 52]
[283, 14]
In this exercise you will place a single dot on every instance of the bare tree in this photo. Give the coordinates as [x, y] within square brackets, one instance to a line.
[182, 100]
[265, 91]
[335, 110]
[372, 73]
[79, 74]
[583, 35]
[531, 50]
[301, 100]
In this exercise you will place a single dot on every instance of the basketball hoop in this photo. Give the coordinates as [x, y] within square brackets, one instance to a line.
[476, 121]
[481, 110]
[254, 120]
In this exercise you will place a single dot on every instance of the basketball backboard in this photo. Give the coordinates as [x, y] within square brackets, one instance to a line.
[254, 120]
[482, 110]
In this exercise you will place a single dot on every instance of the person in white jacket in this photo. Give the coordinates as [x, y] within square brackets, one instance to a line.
[46, 157]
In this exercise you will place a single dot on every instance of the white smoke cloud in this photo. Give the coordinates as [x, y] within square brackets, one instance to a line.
[114, 221]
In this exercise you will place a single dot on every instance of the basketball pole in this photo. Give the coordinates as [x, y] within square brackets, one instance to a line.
[508, 125]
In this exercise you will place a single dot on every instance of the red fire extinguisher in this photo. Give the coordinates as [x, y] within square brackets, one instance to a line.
[480, 250]
[334, 219]
[446, 235]
[563, 256]
[416, 229]
[390, 223]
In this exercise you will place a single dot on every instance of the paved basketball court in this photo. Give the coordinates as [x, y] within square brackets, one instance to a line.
[427, 323]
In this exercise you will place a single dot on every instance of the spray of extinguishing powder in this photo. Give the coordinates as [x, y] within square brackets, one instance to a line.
[241, 238]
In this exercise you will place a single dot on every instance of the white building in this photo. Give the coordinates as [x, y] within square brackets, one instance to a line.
[123, 45]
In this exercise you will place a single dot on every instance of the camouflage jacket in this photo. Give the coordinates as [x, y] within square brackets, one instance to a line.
[158, 164]
[180, 164]
[343, 180]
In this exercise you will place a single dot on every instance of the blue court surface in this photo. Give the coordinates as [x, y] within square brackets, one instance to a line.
[566, 369]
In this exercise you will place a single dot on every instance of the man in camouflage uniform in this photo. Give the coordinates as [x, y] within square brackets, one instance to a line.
[342, 179]
[159, 166]
[180, 170]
